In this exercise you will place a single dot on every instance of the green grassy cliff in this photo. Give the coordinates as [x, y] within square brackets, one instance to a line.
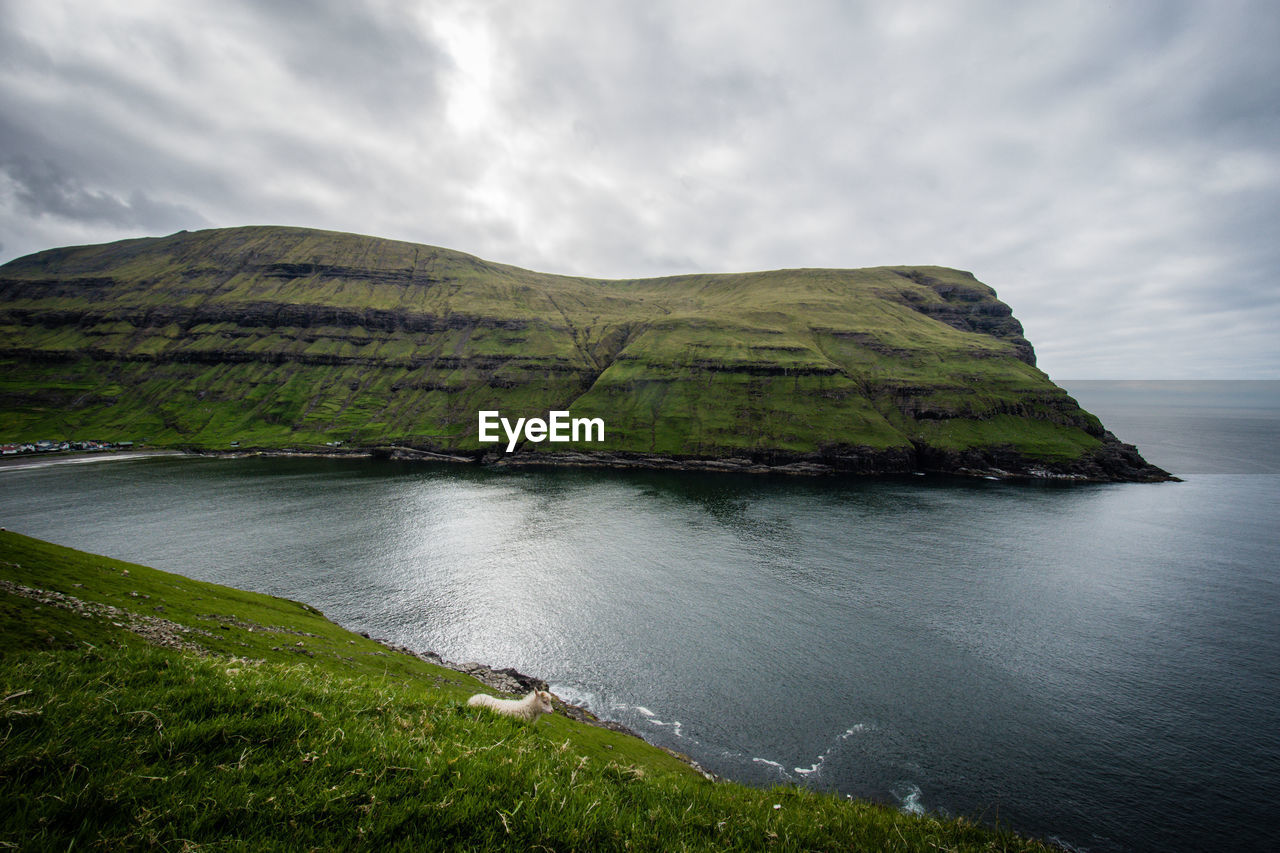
[285, 337]
[142, 709]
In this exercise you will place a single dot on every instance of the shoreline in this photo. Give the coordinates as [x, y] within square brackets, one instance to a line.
[23, 461]
[511, 681]
[1113, 462]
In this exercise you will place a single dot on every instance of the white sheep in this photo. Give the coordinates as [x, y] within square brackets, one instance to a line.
[528, 709]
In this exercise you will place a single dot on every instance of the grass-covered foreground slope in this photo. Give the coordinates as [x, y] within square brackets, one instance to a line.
[143, 709]
[285, 337]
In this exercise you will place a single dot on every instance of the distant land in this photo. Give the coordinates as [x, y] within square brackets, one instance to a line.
[278, 339]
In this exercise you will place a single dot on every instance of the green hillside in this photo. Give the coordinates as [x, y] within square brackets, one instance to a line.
[285, 337]
[142, 709]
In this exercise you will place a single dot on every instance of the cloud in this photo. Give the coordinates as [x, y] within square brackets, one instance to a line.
[1113, 170]
[369, 61]
[42, 188]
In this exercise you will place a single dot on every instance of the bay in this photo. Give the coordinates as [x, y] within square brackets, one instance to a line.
[1097, 664]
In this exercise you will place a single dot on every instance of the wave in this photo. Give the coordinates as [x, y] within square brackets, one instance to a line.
[816, 767]
[620, 711]
[652, 719]
[775, 765]
[910, 798]
[908, 794]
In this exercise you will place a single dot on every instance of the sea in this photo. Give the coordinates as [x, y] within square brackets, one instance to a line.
[1093, 664]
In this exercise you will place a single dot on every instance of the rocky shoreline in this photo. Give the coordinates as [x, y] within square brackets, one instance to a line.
[512, 681]
[1112, 462]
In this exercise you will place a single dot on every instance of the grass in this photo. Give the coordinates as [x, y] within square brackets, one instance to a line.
[274, 729]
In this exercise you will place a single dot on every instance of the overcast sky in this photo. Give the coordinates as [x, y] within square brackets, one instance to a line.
[1112, 169]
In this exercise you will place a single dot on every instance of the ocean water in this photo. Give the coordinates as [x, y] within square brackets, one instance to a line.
[1096, 664]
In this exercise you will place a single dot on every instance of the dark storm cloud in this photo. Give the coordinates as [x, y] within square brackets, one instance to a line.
[42, 187]
[168, 118]
[1112, 169]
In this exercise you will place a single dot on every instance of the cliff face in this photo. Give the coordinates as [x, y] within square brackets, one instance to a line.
[280, 337]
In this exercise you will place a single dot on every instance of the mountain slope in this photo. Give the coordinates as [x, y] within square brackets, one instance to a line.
[275, 337]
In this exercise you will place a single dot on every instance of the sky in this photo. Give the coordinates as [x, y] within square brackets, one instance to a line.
[1112, 169]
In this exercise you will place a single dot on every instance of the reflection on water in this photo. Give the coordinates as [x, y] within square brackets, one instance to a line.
[1096, 663]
